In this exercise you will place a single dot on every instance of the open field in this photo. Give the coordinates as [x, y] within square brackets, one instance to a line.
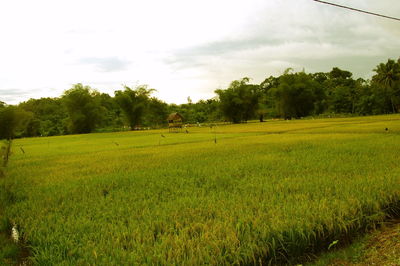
[235, 194]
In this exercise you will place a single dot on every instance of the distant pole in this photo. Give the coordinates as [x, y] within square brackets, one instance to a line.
[8, 152]
[215, 134]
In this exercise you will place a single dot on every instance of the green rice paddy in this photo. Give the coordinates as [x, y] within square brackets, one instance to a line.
[254, 193]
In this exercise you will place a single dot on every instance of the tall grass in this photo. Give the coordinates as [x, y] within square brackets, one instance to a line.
[9, 249]
[264, 193]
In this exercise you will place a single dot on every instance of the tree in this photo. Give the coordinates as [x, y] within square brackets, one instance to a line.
[387, 78]
[341, 92]
[338, 74]
[266, 104]
[12, 121]
[133, 103]
[49, 115]
[240, 101]
[83, 108]
[8, 122]
[295, 95]
[157, 112]
[112, 118]
[206, 111]
[369, 101]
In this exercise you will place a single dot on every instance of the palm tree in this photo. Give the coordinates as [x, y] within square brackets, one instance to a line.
[388, 76]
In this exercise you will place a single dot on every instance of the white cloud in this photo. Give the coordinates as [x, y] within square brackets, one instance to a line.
[182, 47]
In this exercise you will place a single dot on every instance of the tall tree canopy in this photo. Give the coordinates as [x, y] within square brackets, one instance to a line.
[83, 108]
[13, 120]
[290, 95]
[240, 101]
[49, 117]
[341, 90]
[157, 112]
[295, 95]
[133, 103]
[387, 78]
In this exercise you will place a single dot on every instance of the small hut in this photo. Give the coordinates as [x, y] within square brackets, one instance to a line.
[175, 121]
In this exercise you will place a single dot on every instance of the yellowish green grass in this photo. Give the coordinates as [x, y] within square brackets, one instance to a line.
[264, 192]
[381, 247]
[9, 251]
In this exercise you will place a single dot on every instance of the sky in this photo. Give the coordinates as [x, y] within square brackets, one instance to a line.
[183, 48]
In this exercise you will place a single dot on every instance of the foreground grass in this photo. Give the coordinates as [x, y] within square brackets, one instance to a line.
[381, 247]
[264, 192]
[9, 251]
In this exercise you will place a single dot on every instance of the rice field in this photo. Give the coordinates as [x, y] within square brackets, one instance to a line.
[256, 193]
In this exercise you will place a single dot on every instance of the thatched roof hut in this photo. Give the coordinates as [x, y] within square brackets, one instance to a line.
[175, 121]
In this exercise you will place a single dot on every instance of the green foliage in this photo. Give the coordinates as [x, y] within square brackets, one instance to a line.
[134, 103]
[240, 101]
[200, 112]
[341, 91]
[8, 251]
[387, 80]
[265, 192]
[112, 119]
[206, 111]
[83, 107]
[295, 95]
[267, 106]
[290, 95]
[8, 122]
[157, 113]
[49, 117]
[13, 121]
[334, 243]
[378, 247]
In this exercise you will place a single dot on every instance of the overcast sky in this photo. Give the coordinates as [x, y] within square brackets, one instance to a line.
[183, 48]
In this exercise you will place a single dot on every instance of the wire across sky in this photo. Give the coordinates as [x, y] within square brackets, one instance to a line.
[357, 10]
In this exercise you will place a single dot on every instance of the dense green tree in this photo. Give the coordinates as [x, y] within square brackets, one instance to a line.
[338, 75]
[157, 113]
[387, 79]
[368, 102]
[295, 95]
[8, 122]
[321, 103]
[134, 103]
[207, 110]
[341, 91]
[83, 108]
[49, 117]
[13, 121]
[112, 117]
[267, 106]
[200, 112]
[187, 111]
[239, 102]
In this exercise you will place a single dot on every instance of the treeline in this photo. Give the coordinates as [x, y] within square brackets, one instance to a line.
[82, 109]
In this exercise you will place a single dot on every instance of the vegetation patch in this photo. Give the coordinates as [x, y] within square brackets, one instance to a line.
[380, 247]
[9, 251]
[273, 192]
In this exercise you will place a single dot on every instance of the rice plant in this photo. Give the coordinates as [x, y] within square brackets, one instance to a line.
[267, 193]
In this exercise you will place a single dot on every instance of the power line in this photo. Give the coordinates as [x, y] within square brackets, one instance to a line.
[358, 10]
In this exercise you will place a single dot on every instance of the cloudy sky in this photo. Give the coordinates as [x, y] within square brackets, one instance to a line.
[183, 47]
